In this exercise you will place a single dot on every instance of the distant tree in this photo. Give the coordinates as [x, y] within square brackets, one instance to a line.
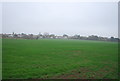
[25, 36]
[31, 36]
[37, 37]
[83, 38]
[46, 35]
[52, 36]
[4, 35]
[65, 36]
[15, 35]
[39, 34]
[93, 37]
[114, 39]
[76, 36]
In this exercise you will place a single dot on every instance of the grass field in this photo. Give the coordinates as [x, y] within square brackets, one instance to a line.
[53, 58]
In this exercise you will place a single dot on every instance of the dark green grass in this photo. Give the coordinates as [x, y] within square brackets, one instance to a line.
[0, 59]
[47, 58]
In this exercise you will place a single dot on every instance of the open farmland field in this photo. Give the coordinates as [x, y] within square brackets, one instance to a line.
[53, 58]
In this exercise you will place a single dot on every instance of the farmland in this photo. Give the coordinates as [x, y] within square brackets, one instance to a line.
[59, 58]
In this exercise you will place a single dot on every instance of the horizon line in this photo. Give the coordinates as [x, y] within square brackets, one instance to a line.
[62, 34]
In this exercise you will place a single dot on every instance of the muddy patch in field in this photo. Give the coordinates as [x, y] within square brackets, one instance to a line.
[85, 73]
[75, 74]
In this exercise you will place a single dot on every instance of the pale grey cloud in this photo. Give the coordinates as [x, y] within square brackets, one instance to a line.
[0, 17]
[71, 18]
[70, 1]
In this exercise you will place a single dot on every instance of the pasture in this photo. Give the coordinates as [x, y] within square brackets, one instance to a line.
[59, 58]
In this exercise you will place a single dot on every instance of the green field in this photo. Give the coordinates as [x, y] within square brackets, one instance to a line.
[58, 58]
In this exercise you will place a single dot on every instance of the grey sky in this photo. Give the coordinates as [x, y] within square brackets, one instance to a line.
[88, 18]
[0, 17]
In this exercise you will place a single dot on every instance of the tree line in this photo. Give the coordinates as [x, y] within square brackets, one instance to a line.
[53, 36]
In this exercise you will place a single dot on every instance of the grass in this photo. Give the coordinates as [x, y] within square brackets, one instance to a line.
[54, 58]
[0, 59]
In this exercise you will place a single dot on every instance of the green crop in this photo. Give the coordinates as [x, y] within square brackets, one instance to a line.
[58, 58]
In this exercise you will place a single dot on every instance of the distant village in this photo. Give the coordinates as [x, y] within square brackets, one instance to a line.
[53, 36]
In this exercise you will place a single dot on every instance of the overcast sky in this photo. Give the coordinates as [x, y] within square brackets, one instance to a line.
[88, 18]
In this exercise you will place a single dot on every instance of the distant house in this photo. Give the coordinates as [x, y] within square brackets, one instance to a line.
[65, 37]
[10, 35]
[40, 37]
[0, 36]
[35, 36]
[59, 37]
[19, 35]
